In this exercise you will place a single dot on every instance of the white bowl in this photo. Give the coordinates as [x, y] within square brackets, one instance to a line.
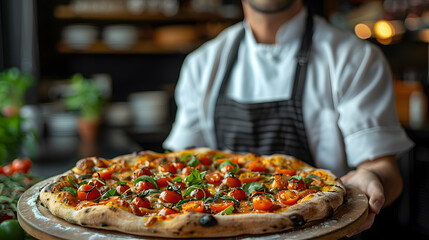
[149, 108]
[120, 37]
[79, 37]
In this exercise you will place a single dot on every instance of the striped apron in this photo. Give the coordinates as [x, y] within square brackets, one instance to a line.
[268, 127]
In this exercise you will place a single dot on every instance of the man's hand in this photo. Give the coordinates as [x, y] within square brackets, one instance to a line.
[381, 181]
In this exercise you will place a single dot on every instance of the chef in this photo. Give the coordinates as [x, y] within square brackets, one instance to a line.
[285, 81]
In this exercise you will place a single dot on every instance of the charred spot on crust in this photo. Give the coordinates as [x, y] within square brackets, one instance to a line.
[87, 210]
[330, 212]
[103, 224]
[50, 187]
[208, 220]
[297, 220]
[112, 209]
[83, 223]
[191, 232]
[275, 226]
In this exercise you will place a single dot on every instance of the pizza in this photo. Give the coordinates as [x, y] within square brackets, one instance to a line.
[193, 193]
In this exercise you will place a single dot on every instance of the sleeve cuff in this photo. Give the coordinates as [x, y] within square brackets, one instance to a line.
[371, 143]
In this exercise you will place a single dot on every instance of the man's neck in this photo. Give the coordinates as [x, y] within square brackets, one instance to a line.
[265, 26]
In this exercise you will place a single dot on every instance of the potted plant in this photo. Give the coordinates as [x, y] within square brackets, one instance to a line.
[85, 96]
[14, 141]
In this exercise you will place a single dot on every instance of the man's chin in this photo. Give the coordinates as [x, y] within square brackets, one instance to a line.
[270, 6]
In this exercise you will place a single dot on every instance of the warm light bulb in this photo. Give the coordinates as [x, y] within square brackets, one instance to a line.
[384, 29]
[363, 31]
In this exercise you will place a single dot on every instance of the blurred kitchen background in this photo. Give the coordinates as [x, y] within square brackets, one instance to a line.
[132, 51]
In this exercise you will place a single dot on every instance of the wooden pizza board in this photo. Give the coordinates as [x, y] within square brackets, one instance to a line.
[40, 223]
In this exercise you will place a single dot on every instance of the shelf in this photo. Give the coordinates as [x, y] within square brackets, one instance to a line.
[143, 47]
[66, 12]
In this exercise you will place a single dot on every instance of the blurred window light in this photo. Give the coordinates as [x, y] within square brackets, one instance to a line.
[363, 31]
[384, 29]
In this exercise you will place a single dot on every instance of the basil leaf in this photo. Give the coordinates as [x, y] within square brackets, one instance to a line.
[152, 191]
[121, 183]
[70, 190]
[110, 193]
[307, 181]
[177, 179]
[193, 162]
[195, 178]
[95, 169]
[228, 162]
[313, 176]
[187, 157]
[72, 181]
[229, 198]
[217, 156]
[181, 202]
[146, 179]
[192, 188]
[83, 182]
[227, 210]
[251, 187]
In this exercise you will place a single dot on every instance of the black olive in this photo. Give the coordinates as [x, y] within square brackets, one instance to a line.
[297, 219]
[208, 220]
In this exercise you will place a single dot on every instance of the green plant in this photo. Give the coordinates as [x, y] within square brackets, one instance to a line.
[85, 96]
[13, 86]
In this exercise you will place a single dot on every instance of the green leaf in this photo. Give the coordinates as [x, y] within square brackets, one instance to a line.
[110, 193]
[227, 210]
[195, 178]
[251, 187]
[192, 188]
[229, 198]
[146, 179]
[193, 162]
[121, 183]
[218, 156]
[72, 181]
[187, 157]
[177, 179]
[228, 162]
[70, 190]
[181, 202]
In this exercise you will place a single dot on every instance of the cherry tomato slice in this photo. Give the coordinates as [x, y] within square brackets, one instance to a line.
[249, 177]
[205, 160]
[168, 196]
[214, 177]
[166, 211]
[227, 168]
[106, 173]
[144, 185]
[140, 172]
[141, 202]
[256, 166]
[121, 189]
[193, 206]
[220, 206]
[288, 197]
[238, 194]
[98, 182]
[163, 182]
[179, 165]
[262, 202]
[167, 168]
[198, 193]
[284, 171]
[180, 185]
[232, 182]
[87, 192]
[295, 184]
[306, 192]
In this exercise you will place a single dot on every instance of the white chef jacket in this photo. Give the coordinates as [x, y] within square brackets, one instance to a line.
[348, 102]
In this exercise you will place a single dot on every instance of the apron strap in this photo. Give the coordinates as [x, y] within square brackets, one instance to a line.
[303, 58]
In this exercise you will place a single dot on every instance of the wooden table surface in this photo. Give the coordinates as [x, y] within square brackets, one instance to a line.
[40, 223]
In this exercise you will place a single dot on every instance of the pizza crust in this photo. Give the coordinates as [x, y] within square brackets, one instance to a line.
[192, 225]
